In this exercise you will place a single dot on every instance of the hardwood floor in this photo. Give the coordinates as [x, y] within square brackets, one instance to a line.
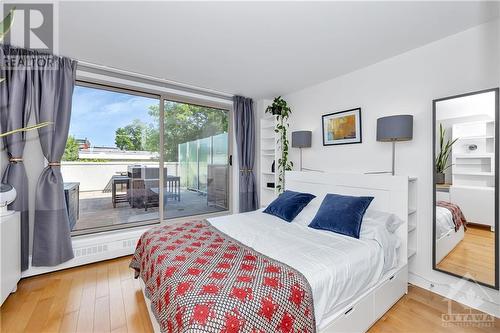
[104, 297]
[101, 297]
[474, 255]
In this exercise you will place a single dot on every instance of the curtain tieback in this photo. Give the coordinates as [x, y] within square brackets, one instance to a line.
[55, 164]
[15, 159]
[246, 170]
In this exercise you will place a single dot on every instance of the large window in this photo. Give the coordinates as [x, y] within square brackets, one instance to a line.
[111, 165]
[196, 141]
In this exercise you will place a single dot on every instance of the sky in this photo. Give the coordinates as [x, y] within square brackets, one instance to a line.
[96, 114]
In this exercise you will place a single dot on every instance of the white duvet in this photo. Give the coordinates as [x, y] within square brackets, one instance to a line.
[444, 221]
[337, 267]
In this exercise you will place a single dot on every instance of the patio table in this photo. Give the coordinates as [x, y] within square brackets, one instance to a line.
[172, 188]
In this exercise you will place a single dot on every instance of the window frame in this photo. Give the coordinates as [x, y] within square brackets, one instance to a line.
[162, 97]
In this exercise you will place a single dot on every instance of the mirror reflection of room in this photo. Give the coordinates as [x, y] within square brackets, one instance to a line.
[465, 186]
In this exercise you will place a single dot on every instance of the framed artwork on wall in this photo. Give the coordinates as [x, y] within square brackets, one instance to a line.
[341, 128]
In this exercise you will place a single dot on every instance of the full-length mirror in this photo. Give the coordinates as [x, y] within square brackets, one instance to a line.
[465, 191]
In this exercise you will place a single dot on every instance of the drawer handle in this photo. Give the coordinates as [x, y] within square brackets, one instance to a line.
[348, 311]
[392, 277]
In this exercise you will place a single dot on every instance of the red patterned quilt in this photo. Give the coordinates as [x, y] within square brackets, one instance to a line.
[456, 213]
[201, 280]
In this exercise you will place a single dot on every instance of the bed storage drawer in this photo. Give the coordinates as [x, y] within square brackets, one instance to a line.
[355, 319]
[390, 292]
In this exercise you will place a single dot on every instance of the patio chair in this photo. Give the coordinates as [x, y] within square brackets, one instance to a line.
[143, 192]
[140, 194]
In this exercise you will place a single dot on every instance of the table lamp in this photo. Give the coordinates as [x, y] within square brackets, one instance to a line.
[301, 139]
[395, 128]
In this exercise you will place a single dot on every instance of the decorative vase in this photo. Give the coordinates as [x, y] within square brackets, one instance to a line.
[440, 178]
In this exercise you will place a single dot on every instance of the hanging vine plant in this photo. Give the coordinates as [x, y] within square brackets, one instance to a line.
[281, 111]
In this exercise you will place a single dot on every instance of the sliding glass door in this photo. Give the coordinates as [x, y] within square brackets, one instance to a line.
[115, 173]
[111, 162]
[196, 141]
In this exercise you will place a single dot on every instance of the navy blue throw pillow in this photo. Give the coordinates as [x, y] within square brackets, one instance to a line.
[342, 214]
[289, 204]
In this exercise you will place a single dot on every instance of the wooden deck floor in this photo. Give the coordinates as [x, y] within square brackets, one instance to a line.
[96, 210]
[104, 297]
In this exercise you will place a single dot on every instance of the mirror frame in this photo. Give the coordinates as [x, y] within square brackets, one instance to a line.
[497, 120]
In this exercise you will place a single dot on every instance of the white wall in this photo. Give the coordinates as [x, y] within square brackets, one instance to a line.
[405, 84]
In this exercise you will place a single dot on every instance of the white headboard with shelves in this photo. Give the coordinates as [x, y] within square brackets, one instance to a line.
[390, 193]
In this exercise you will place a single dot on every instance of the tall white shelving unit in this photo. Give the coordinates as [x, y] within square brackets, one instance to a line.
[412, 217]
[473, 170]
[268, 149]
[474, 167]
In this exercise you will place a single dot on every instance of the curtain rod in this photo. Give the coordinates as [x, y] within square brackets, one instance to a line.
[179, 85]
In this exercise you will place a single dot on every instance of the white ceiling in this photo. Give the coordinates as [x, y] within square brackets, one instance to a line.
[256, 49]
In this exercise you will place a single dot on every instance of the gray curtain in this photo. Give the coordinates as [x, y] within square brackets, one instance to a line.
[245, 145]
[15, 110]
[53, 84]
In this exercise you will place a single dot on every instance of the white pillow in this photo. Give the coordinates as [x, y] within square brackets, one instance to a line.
[392, 222]
[309, 212]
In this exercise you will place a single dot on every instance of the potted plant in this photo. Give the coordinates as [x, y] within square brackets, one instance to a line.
[444, 153]
[282, 111]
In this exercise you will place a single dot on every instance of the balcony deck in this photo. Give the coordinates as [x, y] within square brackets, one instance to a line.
[96, 209]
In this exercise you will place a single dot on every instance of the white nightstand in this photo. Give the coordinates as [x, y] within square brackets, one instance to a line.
[10, 254]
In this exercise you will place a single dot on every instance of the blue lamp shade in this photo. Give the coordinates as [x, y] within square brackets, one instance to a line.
[395, 128]
[301, 139]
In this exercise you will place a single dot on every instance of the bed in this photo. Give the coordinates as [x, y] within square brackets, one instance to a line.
[353, 281]
[447, 235]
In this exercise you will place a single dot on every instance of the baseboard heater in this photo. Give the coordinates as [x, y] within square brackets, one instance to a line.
[94, 248]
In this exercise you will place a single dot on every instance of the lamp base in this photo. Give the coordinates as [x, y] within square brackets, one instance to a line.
[393, 163]
[300, 149]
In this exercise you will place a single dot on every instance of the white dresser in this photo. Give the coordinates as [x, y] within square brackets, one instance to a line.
[10, 254]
